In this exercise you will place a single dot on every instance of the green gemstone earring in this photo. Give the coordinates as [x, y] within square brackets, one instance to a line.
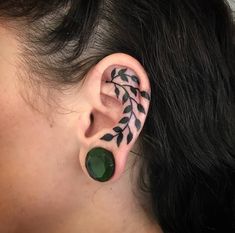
[100, 164]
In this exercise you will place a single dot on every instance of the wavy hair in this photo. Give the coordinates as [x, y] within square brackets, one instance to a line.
[187, 50]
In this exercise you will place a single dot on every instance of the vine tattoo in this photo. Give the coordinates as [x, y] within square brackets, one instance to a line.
[129, 109]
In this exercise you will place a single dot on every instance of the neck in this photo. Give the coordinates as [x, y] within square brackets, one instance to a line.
[113, 207]
[110, 207]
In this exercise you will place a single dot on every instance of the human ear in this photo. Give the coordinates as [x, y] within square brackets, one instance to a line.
[117, 93]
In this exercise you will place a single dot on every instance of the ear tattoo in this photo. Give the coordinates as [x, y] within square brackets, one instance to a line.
[100, 162]
[129, 94]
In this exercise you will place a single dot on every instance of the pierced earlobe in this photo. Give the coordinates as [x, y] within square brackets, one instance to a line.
[127, 93]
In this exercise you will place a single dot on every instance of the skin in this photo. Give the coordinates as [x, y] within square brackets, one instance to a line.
[44, 185]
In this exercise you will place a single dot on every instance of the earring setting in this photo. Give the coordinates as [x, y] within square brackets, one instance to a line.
[100, 164]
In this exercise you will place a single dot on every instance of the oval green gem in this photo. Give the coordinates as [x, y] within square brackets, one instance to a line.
[100, 164]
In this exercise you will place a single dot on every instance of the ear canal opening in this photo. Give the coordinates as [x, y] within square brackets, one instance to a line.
[91, 118]
[98, 122]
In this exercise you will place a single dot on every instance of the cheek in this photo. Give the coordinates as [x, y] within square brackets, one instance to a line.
[35, 178]
[34, 194]
[37, 184]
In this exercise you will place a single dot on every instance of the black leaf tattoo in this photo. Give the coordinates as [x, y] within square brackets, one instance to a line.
[124, 78]
[117, 92]
[137, 124]
[135, 79]
[133, 90]
[117, 129]
[125, 98]
[113, 73]
[122, 71]
[107, 137]
[129, 109]
[124, 120]
[129, 137]
[119, 138]
[145, 95]
[141, 108]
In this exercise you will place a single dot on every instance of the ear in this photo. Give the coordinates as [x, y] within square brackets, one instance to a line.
[117, 93]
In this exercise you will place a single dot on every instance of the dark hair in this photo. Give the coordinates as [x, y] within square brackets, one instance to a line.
[187, 50]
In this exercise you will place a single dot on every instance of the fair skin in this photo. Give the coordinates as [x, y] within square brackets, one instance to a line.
[44, 184]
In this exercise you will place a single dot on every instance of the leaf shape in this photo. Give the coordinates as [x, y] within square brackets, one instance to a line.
[113, 73]
[135, 79]
[119, 139]
[145, 95]
[123, 77]
[122, 71]
[107, 137]
[124, 120]
[134, 91]
[141, 108]
[127, 109]
[117, 91]
[117, 129]
[129, 137]
[137, 124]
[125, 98]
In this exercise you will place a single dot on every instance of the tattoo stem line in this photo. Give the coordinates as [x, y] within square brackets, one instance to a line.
[130, 98]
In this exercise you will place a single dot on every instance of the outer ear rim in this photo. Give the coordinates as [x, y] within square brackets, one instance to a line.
[123, 59]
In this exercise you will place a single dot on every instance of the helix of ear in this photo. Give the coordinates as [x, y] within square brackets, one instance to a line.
[127, 93]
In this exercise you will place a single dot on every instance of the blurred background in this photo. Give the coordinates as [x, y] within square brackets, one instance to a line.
[232, 3]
